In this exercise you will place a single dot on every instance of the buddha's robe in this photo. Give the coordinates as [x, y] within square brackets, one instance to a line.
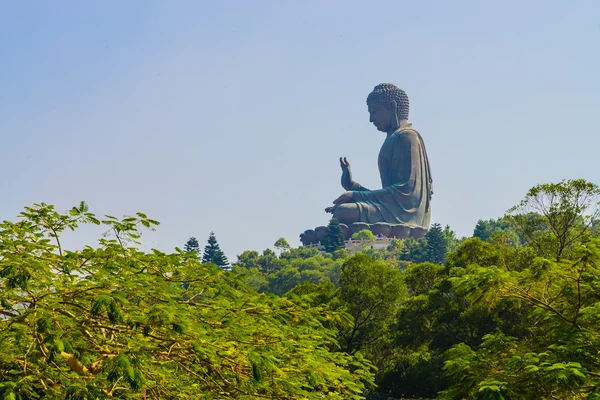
[406, 180]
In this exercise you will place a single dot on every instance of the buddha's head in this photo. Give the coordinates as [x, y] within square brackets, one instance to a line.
[388, 105]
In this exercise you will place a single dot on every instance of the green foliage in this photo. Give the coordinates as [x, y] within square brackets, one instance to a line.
[414, 250]
[334, 237]
[555, 353]
[214, 254]
[568, 210]
[112, 321]
[315, 294]
[282, 245]
[364, 235]
[421, 278]
[437, 245]
[482, 230]
[340, 254]
[253, 278]
[278, 275]
[192, 245]
[512, 313]
[372, 292]
[451, 239]
[435, 317]
[248, 259]
[498, 229]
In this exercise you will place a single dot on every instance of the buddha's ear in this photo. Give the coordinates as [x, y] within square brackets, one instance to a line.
[395, 121]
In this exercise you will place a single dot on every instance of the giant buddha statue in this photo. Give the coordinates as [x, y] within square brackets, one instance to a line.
[402, 207]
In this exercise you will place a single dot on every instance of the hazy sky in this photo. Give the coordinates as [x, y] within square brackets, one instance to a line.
[230, 116]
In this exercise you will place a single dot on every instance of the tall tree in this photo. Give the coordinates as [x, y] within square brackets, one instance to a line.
[437, 244]
[334, 237]
[482, 230]
[192, 245]
[214, 254]
[567, 208]
[282, 245]
[371, 291]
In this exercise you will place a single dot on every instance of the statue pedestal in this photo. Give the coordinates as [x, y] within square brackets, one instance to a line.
[379, 229]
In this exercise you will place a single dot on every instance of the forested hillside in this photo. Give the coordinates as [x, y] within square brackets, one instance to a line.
[510, 313]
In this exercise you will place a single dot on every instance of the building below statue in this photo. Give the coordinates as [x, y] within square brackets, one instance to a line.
[379, 229]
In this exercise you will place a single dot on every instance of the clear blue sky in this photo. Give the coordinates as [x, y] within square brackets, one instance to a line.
[230, 116]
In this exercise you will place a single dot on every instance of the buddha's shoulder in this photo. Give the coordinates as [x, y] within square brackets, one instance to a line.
[405, 133]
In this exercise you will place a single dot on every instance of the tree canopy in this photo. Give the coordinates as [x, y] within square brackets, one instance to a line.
[114, 321]
[511, 313]
[364, 235]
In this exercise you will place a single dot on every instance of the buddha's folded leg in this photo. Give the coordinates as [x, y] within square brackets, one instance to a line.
[346, 213]
[350, 213]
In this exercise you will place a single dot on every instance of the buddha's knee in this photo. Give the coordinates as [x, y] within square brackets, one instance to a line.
[346, 213]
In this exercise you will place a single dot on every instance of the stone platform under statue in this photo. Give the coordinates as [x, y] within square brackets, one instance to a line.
[314, 236]
[402, 207]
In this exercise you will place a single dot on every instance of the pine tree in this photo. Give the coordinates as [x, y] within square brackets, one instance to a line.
[437, 244]
[214, 254]
[482, 230]
[334, 237]
[191, 245]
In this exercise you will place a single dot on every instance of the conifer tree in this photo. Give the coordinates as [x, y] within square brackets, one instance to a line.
[192, 245]
[482, 230]
[334, 237]
[214, 254]
[437, 245]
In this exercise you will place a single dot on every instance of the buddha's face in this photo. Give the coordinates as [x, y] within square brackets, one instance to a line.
[380, 116]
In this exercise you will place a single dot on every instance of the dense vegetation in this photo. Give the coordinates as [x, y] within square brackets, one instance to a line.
[510, 313]
[115, 322]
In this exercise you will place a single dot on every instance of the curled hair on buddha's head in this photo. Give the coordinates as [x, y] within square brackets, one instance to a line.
[385, 93]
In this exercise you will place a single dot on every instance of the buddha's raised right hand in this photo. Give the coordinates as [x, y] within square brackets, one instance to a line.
[347, 182]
